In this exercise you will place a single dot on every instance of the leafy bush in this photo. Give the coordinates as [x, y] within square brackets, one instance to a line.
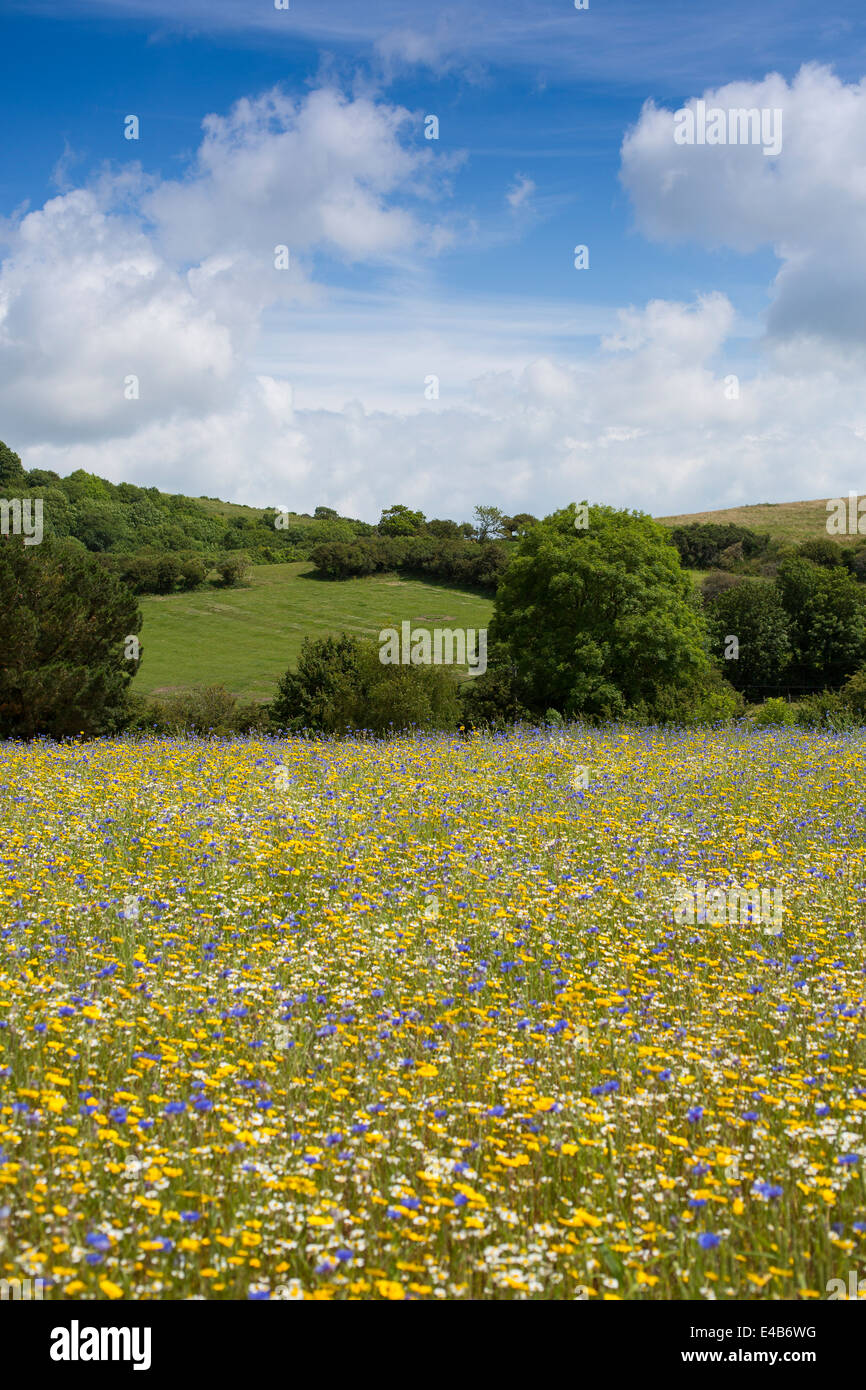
[701, 544]
[704, 699]
[824, 711]
[470, 563]
[771, 712]
[853, 695]
[340, 685]
[202, 710]
[158, 573]
[232, 568]
[491, 701]
[821, 551]
[193, 572]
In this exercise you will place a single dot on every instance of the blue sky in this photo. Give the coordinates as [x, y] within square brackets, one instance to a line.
[450, 258]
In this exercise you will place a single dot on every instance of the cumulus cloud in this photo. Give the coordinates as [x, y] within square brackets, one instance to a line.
[808, 203]
[85, 302]
[315, 173]
[167, 281]
[647, 423]
[270, 387]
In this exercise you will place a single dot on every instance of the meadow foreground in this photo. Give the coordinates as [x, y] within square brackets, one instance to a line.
[414, 1019]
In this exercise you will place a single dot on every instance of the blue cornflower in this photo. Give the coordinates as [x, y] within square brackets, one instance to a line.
[768, 1190]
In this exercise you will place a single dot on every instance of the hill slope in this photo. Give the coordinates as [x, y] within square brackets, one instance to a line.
[792, 522]
[245, 638]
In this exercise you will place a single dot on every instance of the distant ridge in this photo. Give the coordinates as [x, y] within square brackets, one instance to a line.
[783, 521]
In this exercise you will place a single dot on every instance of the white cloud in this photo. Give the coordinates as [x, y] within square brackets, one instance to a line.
[520, 192]
[315, 173]
[267, 386]
[541, 37]
[85, 301]
[168, 281]
[647, 425]
[808, 203]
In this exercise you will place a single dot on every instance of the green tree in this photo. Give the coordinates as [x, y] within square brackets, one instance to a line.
[752, 613]
[489, 523]
[400, 521]
[64, 624]
[100, 525]
[444, 529]
[827, 612]
[598, 620]
[82, 484]
[517, 524]
[12, 474]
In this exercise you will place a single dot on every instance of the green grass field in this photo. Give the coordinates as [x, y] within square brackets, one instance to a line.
[245, 638]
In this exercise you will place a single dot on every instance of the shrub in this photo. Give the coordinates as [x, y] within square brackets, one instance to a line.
[340, 685]
[824, 711]
[701, 544]
[470, 563]
[491, 701]
[704, 699]
[771, 712]
[231, 569]
[193, 572]
[853, 695]
[821, 551]
[207, 709]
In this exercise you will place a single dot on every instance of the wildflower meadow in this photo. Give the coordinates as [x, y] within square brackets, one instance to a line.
[285, 1018]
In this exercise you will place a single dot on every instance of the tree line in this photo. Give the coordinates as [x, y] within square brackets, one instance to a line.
[595, 619]
[163, 543]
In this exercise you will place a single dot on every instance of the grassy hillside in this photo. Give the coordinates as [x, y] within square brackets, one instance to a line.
[792, 522]
[245, 638]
